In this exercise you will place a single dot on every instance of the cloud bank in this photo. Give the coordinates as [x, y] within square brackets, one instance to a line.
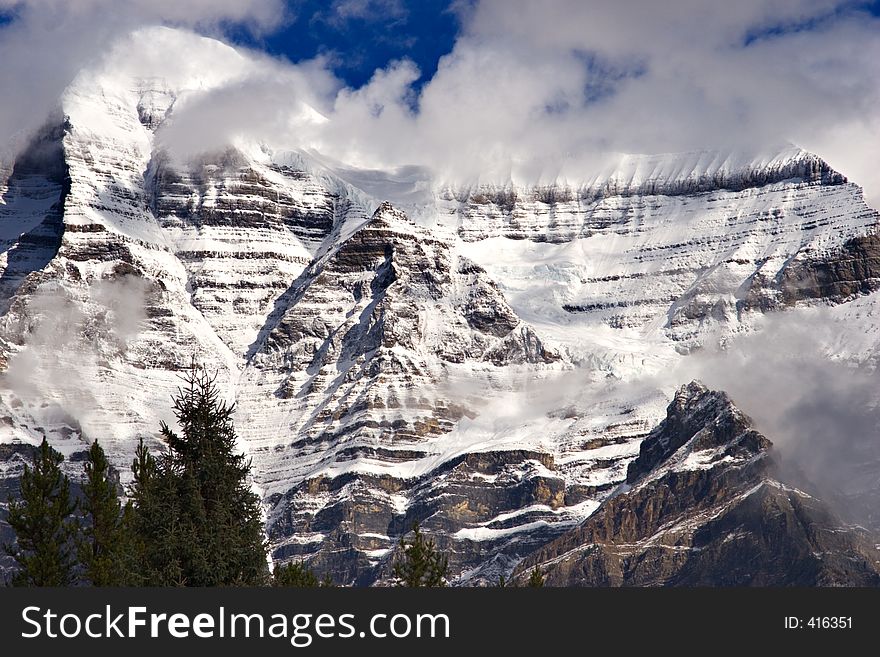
[812, 395]
[530, 90]
[47, 42]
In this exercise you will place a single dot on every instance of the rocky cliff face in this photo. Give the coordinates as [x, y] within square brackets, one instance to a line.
[837, 275]
[34, 191]
[674, 257]
[561, 212]
[473, 362]
[359, 358]
[702, 507]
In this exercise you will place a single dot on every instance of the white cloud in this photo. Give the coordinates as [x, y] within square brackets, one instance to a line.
[343, 10]
[678, 73]
[530, 90]
[537, 89]
[50, 41]
[260, 14]
[68, 336]
[819, 409]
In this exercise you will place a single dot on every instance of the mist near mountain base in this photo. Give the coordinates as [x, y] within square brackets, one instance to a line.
[820, 410]
[818, 405]
[66, 339]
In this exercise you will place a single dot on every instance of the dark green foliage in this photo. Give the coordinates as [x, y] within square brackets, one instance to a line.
[155, 521]
[420, 565]
[297, 574]
[502, 582]
[105, 545]
[198, 521]
[536, 579]
[42, 522]
[192, 520]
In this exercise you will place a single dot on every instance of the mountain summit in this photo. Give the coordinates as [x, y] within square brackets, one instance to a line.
[702, 506]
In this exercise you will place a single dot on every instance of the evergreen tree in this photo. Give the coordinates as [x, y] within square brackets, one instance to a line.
[297, 574]
[43, 524]
[420, 565]
[198, 520]
[154, 519]
[104, 545]
[536, 579]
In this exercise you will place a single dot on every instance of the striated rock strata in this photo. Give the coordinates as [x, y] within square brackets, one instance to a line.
[702, 507]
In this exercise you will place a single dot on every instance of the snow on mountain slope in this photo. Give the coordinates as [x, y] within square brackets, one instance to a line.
[702, 505]
[361, 368]
[668, 263]
[149, 244]
[481, 363]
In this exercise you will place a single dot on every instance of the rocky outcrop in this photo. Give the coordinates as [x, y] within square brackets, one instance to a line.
[389, 273]
[362, 356]
[243, 231]
[836, 276]
[31, 214]
[702, 507]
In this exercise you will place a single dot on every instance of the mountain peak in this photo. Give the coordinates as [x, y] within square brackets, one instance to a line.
[384, 206]
[704, 509]
[388, 214]
[382, 355]
[701, 427]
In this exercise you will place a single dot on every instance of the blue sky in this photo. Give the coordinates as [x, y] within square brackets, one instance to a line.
[814, 23]
[360, 36]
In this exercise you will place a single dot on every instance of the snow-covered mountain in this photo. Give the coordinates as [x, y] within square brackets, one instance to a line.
[485, 359]
[702, 506]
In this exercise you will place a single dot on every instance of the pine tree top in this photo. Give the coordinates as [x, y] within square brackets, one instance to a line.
[536, 579]
[420, 564]
[43, 523]
[298, 574]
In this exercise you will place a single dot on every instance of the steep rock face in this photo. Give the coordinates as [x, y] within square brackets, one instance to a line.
[150, 262]
[33, 194]
[360, 362]
[836, 275]
[562, 212]
[243, 229]
[702, 508]
[670, 249]
[158, 261]
[94, 338]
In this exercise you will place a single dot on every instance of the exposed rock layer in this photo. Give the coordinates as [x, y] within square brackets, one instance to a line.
[704, 509]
